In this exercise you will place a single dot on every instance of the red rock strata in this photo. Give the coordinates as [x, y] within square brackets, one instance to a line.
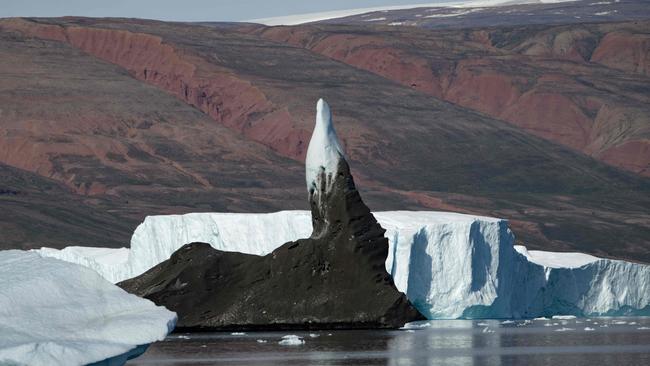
[549, 82]
[226, 98]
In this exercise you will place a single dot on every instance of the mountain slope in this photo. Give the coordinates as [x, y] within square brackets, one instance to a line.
[114, 150]
[409, 150]
[36, 211]
[577, 85]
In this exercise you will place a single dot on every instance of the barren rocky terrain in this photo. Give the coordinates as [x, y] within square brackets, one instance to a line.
[127, 118]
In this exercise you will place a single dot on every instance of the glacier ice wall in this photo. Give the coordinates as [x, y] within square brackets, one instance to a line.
[449, 265]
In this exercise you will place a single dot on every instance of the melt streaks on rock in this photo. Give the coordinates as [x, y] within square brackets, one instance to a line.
[323, 162]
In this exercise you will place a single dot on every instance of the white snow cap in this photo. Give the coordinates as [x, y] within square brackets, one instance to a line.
[324, 151]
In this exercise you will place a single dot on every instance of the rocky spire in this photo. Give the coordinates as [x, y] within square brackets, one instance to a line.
[334, 279]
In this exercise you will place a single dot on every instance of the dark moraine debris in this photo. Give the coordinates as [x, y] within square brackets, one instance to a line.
[334, 279]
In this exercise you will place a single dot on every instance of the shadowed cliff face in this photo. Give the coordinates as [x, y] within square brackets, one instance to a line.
[583, 86]
[76, 107]
[334, 279]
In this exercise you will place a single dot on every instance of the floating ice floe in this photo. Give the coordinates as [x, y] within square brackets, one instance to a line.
[291, 340]
[54, 312]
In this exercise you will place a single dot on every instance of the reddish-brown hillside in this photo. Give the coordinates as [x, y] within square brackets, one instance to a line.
[584, 85]
[156, 117]
[118, 145]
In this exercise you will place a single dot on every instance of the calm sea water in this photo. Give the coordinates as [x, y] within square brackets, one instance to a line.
[566, 342]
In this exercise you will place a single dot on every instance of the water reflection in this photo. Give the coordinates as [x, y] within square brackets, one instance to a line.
[450, 342]
[579, 342]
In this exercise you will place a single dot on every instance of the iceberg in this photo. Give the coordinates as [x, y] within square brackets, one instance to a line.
[291, 340]
[449, 265]
[108, 262]
[333, 278]
[57, 313]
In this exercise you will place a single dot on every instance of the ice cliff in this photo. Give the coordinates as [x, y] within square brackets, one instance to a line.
[449, 265]
[58, 313]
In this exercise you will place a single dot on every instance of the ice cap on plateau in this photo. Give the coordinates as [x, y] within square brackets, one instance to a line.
[324, 151]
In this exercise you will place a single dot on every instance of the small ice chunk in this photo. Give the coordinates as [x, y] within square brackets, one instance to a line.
[542, 318]
[564, 329]
[237, 333]
[261, 341]
[507, 322]
[314, 335]
[643, 328]
[291, 340]
[416, 325]
[563, 317]
[588, 329]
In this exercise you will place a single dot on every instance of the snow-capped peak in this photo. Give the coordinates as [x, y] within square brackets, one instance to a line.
[324, 151]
